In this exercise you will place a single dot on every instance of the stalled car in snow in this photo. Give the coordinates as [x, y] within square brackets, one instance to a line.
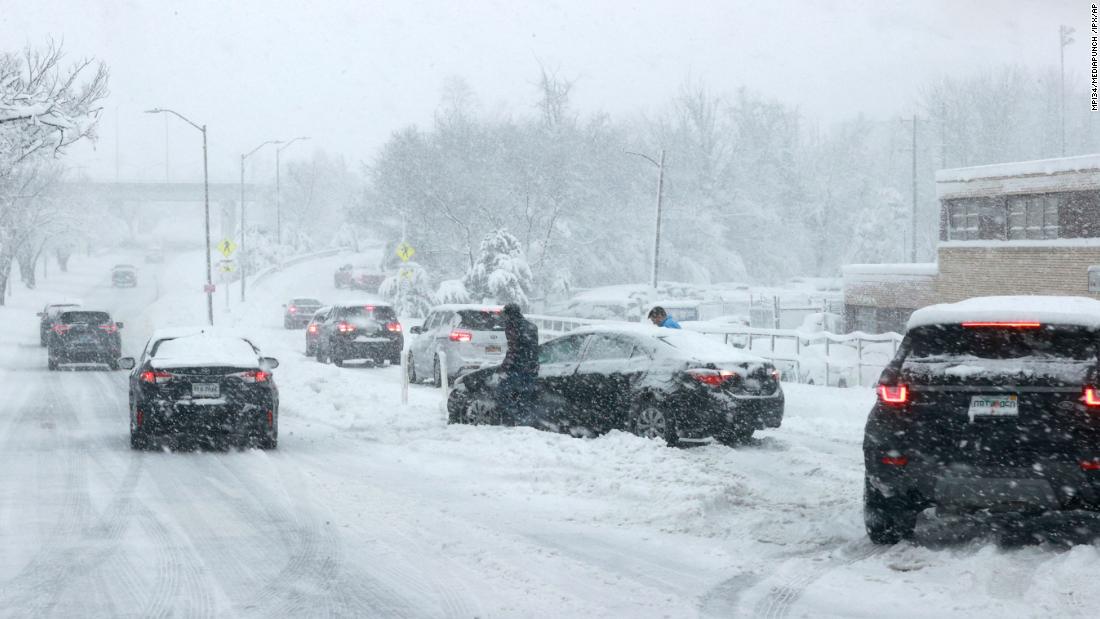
[80, 336]
[469, 337]
[123, 276]
[364, 331]
[48, 316]
[313, 329]
[660, 383]
[196, 385]
[991, 405]
[299, 311]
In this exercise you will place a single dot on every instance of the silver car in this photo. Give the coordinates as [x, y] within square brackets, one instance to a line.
[470, 336]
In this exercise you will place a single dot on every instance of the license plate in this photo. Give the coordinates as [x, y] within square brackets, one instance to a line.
[994, 406]
[206, 390]
[492, 349]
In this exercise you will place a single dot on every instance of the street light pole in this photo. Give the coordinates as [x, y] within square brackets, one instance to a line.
[242, 261]
[278, 208]
[657, 227]
[206, 204]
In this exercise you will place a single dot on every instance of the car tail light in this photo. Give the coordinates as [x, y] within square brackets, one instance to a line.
[895, 460]
[155, 376]
[369, 308]
[292, 309]
[1003, 324]
[270, 418]
[109, 328]
[61, 329]
[393, 326]
[1090, 465]
[1091, 397]
[894, 395]
[253, 376]
[458, 335]
[714, 378]
[312, 328]
[345, 327]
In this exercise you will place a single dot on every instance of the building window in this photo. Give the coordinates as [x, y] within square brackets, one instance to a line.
[962, 222]
[1032, 217]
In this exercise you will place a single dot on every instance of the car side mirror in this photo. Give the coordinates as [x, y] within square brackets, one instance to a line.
[269, 363]
[416, 330]
[127, 363]
[118, 325]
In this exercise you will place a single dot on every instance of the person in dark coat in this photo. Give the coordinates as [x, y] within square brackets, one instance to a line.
[516, 390]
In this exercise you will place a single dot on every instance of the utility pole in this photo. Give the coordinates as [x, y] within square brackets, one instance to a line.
[657, 227]
[1064, 39]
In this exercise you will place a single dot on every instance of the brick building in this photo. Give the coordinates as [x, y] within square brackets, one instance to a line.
[1030, 227]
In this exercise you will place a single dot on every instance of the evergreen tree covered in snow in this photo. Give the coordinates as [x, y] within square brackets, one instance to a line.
[410, 290]
[452, 291]
[500, 273]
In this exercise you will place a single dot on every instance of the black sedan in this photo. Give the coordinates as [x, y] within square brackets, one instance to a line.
[191, 387]
[81, 336]
[660, 383]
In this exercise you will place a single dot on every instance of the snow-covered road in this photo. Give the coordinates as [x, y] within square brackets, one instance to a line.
[371, 509]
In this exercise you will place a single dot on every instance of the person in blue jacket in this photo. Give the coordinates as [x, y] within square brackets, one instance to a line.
[660, 317]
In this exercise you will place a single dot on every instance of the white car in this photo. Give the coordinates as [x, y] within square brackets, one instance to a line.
[470, 337]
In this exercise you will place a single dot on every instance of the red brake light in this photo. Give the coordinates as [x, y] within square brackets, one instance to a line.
[61, 329]
[345, 327]
[459, 335]
[714, 378]
[1006, 325]
[109, 328]
[1089, 465]
[253, 376]
[292, 309]
[895, 460]
[393, 326]
[312, 327]
[369, 308]
[1091, 397]
[893, 394]
[155, 376]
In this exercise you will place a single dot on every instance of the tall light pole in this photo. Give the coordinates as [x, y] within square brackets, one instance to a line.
[657, 228]
[1064, 39]
[278, 208]
[242, 261]
[209, 288]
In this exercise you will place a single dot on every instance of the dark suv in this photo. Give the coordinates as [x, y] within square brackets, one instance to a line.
[80, 336]
[991, 405]
[367, 331]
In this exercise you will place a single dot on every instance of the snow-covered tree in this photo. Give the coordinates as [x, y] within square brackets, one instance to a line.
[500, 274]
[452, 291]
[410, 290]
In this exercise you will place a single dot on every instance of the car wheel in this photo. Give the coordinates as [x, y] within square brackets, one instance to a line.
[888, 520]
[336, 359]
[480, 410]
[410, 369]
[649, 421]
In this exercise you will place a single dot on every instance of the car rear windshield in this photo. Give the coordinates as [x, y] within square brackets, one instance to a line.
[1047, 343]
[373, 312]
[85, 318]
[305, 301]
[482, 320]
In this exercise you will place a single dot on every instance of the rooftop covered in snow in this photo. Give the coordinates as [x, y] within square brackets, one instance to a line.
[1018, 177]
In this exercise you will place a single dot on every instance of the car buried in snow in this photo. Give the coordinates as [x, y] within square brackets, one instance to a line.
[990, 408]
[668, 384]
[123, 276]
[200, 386]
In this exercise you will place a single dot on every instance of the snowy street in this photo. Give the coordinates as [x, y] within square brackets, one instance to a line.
[371, 509]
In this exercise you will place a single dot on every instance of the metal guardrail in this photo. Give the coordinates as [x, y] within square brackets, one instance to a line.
[835, 371]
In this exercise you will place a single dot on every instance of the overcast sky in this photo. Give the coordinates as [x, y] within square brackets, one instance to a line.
[349, 72]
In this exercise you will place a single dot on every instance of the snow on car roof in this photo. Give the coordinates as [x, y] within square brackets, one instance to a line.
[1081, 311]
[206, 350]
[680, 343]
[69, 303]
[363, 302]
[458, 307]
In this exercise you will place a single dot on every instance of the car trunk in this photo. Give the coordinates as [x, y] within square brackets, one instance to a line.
[1000, 397]
[485, 330]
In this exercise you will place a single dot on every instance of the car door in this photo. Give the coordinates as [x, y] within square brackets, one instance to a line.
[558, 360]
[439, 336]
[604, 377]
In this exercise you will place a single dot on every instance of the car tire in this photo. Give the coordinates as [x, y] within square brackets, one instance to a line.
[410, 369]
[480, 409]
[888, 520]
[649, 420]
[437, 374]
[51, 364]
[336, 359]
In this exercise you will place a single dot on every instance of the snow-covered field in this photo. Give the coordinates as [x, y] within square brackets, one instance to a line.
[371, 509]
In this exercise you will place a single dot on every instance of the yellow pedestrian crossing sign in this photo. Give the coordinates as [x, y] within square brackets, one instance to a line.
[227, 247]
[227, 266]
[405, 251]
